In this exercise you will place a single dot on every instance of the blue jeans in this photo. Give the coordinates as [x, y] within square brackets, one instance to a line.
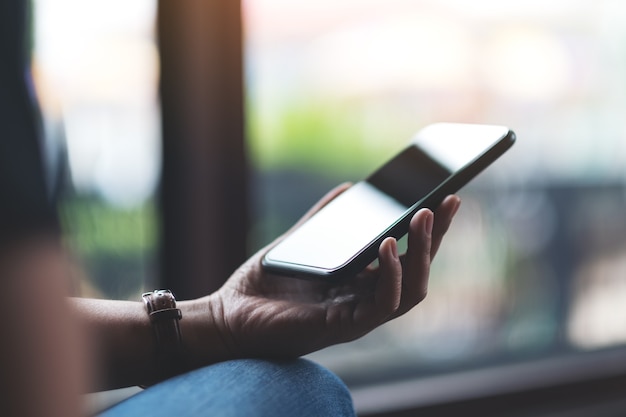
[247, 387]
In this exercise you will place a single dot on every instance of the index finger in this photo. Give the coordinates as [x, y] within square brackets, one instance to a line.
[443, 218]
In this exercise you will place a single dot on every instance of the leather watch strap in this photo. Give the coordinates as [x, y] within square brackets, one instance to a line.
[164, 317]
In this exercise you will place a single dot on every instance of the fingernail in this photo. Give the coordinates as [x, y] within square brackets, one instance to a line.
[428, 225]
[394, 249]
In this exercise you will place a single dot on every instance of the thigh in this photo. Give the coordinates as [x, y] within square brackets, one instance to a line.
[247, 387]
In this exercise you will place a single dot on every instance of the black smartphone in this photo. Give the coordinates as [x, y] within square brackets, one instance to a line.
[343, 237]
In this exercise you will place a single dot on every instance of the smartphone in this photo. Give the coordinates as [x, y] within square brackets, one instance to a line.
[343, 237]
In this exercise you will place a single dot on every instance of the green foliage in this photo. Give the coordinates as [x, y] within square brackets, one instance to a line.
[95, 228]
[331, 137]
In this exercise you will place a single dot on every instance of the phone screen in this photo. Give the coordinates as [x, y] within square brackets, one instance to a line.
[359, 216]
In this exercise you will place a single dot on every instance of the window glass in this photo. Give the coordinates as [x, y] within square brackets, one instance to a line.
[95, 66]
[535, 263]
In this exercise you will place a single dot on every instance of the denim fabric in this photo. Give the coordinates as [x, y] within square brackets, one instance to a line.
[247, 387]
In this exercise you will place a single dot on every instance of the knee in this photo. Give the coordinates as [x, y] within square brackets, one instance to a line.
[248, 387]
[308, 387]
[311, 377]
[297, 374]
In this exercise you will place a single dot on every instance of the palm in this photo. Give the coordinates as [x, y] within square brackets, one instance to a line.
[281, 316]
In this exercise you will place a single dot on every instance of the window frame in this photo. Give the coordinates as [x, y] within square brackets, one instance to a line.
[203, 195]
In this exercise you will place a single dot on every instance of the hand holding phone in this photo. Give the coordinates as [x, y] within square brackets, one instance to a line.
[260, 314]
[344, 236]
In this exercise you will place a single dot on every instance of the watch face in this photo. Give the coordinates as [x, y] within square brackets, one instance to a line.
[158, 300]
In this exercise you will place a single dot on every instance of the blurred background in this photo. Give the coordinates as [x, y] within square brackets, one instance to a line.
[535, 263]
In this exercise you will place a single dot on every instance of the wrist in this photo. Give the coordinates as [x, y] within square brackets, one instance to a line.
[200, 327]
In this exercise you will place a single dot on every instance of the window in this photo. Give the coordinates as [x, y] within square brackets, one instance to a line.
[96, 71]
[535, 263]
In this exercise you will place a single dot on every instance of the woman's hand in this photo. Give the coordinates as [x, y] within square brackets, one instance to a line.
[257, 314]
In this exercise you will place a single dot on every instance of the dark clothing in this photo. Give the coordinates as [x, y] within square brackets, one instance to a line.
[25, 205]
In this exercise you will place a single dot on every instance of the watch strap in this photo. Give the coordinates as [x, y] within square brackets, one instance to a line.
[164, 318]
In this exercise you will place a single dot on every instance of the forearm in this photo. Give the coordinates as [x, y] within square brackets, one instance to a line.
[120, 339]
[123, 341]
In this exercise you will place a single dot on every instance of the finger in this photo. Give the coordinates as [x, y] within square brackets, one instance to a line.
[389, 283]
[373, 310]
[443, 217]
[417, 261]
